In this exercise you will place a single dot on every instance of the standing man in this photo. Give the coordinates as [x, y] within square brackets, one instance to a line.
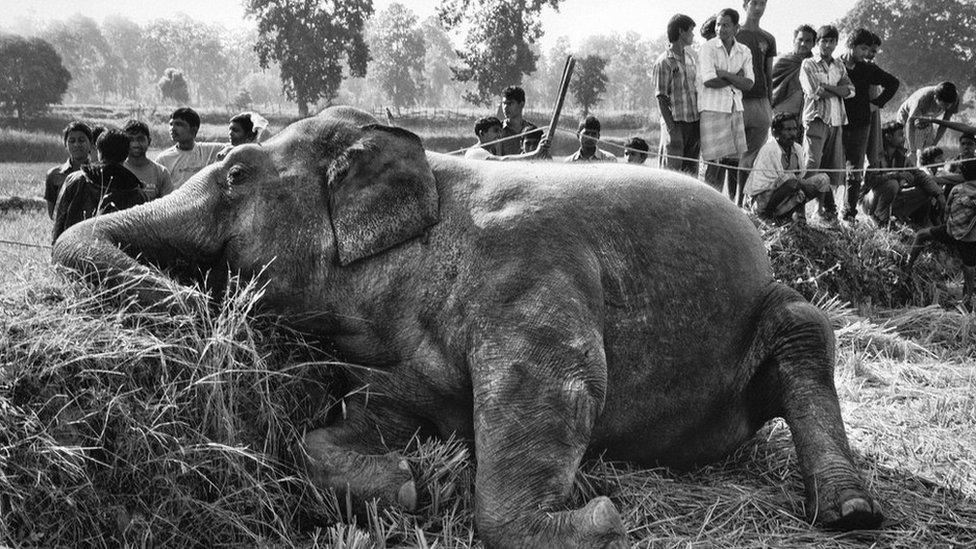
[513, 102]
[863, 76]
[155, 178]
[757, 101]
[787, 96]
[939, 101]
[186, 157]
[825, 84]
[588, 134]
[78, 141]
[675, 76]
[874, 133]
[725, 70]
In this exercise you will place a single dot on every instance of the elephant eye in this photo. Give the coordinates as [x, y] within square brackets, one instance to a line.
[235, 175]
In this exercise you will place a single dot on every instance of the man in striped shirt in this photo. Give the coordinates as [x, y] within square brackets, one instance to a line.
[675, 73]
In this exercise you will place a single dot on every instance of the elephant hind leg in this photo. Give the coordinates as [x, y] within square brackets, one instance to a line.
[795, 346]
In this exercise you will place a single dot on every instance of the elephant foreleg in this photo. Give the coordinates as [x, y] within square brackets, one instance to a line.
[796, 346]
[535, 402]
[348, 457]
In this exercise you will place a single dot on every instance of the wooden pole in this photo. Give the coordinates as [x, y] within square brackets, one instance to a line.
[563, 88]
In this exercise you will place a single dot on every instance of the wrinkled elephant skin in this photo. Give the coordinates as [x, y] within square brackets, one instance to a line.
[545, 312]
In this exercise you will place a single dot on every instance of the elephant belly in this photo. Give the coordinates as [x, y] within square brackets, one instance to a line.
[677, 383]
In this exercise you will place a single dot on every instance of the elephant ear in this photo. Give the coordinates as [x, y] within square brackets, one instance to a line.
[382, 193]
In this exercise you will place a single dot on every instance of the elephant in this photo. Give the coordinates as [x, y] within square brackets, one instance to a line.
[545, 313]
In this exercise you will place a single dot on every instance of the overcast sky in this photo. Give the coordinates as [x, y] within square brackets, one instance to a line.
[575, 19]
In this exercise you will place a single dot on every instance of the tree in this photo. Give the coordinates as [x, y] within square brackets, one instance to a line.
[195, 48]
[86, 55]
[124, 38]
[629, 69]
[31, 75]
[308, 40]
[496, 50]
[925, 41]
[173, 86]
[243, 100]
[589, 81]
[397, 46]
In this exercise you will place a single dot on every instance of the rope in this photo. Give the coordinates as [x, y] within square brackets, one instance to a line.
[25, 244]
[656, 154]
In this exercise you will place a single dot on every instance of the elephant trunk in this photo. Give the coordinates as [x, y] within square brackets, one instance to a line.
[114, 249]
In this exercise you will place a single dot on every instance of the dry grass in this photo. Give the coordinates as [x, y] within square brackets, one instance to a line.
[126, 426]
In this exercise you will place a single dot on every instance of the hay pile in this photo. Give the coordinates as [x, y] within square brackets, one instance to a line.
[860, 264]
[120, 426]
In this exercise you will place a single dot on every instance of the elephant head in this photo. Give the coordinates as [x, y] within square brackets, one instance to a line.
[325, 193]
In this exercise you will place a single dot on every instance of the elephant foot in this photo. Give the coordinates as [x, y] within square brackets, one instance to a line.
[851, 510]
[384, 478]
[595, 526]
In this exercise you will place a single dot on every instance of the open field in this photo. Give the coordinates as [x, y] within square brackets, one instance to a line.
[180, 429]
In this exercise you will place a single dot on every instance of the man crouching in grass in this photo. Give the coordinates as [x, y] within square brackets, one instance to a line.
[778, 186]
[101, 188]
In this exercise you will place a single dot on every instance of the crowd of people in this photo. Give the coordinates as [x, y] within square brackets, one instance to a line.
[778, 131]
[107, 168]
[773, 131]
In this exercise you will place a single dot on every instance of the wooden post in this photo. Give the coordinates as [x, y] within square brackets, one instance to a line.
[563, 88]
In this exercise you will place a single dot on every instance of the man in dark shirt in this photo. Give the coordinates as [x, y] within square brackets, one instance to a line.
[513, 102]
[757, 111]
[863, 75]
[78, 141]
[101, 188]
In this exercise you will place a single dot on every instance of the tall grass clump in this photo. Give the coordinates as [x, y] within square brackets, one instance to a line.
[863, 265]
[121, 425]
[29, 146]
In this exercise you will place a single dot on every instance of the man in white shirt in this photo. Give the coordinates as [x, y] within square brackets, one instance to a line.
[154, 176]
[725, 70]
[487, 129]
[186, 157]
[825, 85]
[778, 184]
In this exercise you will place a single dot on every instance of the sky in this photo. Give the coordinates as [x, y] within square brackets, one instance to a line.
[576, 19]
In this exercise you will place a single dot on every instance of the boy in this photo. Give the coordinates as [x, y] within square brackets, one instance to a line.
[675, 80]
[101, 188]
[487, 129]
[757, 108]
[588, 134]
[937, 101]
[186, 157]
[155, 178]
[77, 139]
[635, 150]
[513, 103]
[825, 84]
[863, 76]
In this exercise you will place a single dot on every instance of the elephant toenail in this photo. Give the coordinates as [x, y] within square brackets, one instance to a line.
[407, 495]
[855, 505]
[403, 465]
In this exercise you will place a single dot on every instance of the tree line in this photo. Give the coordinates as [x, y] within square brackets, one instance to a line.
[316, 53]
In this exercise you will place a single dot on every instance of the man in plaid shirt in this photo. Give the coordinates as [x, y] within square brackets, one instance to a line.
[677, 96]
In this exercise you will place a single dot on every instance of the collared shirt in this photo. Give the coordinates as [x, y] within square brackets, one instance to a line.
[676, 78]
[712, 56]
[55, 179]
[513, 146]
[961, 218]
[773, 166]
[814, 72]
[598, 156]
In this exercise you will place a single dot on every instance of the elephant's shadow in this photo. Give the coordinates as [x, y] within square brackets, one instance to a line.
[755, 497]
